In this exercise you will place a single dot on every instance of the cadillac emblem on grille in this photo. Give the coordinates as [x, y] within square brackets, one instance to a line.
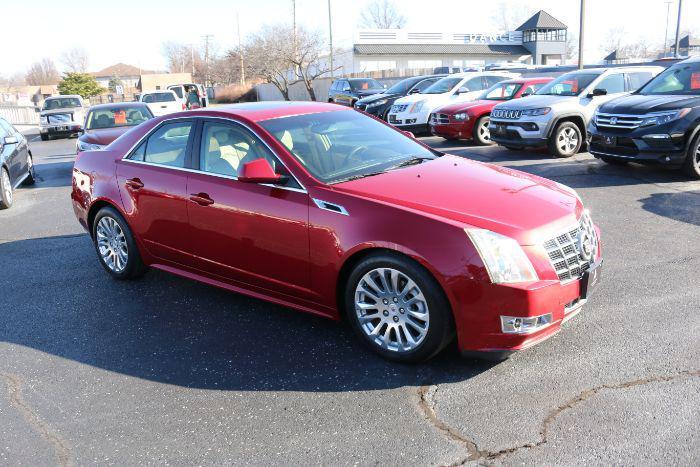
[572, 251]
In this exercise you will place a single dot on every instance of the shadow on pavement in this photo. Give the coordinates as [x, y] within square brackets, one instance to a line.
[680, 206]
[53, 174]
[171, 330]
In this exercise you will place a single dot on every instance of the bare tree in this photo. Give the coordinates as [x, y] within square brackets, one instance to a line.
[507, 16]
[184, 58]
[75, 60]
[571, 45]
[43, 72]
[382, 14]
[15, 79]
[307, 62]
[269, 55]
[613, 39]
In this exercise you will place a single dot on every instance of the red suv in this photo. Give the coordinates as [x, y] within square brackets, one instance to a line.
[470, 120]
[326, 210]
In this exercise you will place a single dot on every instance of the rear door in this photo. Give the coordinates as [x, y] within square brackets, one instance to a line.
[153, 187]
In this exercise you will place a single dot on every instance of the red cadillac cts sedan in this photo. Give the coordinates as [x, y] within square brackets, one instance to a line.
[329, 211]
[470, 120]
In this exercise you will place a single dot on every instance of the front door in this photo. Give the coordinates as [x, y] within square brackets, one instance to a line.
[153, 189]
[254, 233]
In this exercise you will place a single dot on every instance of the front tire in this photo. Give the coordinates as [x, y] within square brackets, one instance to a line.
[31, 177]
[482, 136]
[115, 245]
[565, 141]
[44, 137]
[6, 195]
[691, 166]
[398, 309]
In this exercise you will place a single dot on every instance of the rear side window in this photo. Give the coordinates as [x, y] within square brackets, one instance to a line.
[178, 91]
[474, 84]
[165, 146]
[613, 83]
[491, 80]
[639, 79]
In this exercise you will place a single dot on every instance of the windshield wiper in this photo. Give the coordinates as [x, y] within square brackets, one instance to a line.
[358, 176]
[412, 161]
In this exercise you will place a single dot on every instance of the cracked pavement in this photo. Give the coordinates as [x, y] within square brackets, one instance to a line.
[164, 370]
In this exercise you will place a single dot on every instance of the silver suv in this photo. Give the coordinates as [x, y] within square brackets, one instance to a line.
[556, 117]
[61, 116]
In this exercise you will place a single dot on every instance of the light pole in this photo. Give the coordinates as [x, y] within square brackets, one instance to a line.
[678, 27]
[580, 34]
[330, 35]
[668, 12]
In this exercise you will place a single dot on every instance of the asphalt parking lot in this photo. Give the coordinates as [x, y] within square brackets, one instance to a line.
[168, 371]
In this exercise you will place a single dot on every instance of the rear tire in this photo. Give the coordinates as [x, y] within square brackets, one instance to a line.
[6, 195]
[691, 166]
[405, 317]
[482, 136]
[565, 141]
[115, 245]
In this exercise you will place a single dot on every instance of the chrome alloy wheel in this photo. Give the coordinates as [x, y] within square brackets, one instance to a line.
[6, 185]
[567, 140]
[696, 160]
[391, 310]
[483, 130]
[111, 244]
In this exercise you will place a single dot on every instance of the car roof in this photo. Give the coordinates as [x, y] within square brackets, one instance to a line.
[266, 110]
[691, 60]
[117, 105]
[534, 79]
[155, 91]
[64, 96]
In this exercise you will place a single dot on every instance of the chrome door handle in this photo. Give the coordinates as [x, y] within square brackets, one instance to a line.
[202, 199]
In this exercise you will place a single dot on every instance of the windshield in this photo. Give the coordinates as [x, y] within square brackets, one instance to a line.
[340, 145]
[501, 92]
[443, 85]
[117, 117]
[61, 103]
[402, 86]
[679, 79]
[365, 84]
[570, 84]
[158, 97]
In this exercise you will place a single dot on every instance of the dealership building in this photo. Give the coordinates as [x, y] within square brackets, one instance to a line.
[541, 40]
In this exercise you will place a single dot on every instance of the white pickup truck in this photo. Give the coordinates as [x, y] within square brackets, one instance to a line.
[61, 116]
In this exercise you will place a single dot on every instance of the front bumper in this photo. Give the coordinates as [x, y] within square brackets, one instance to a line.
[530, 132]
[461, 130]
[61, 129]
[651, 145]
[406, 120]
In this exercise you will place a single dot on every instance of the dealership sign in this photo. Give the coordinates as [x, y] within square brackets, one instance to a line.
[493, 38]
[402, 36]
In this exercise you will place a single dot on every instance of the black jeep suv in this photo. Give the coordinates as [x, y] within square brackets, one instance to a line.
[659, 123]
[379, 104]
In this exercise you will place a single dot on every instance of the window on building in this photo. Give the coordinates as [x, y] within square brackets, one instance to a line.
[377, 65]
[413, 64]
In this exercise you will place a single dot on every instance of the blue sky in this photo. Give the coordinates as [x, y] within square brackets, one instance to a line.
[133, 31]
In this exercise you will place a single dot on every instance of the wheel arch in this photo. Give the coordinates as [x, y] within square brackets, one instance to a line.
[95, 208]
[575, 118]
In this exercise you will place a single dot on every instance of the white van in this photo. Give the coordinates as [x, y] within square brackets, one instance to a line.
[162, 102]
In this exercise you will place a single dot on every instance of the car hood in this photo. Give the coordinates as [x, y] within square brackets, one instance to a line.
[376, 97]
[466, 106]
[469, 193]
[368, 92]
[637, 104]
[103, 136]
[535, 102]
[66, 110]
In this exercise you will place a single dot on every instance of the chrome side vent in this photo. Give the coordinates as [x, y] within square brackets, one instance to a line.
[326, 206]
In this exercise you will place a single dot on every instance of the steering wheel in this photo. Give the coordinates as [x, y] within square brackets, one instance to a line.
[352, 153]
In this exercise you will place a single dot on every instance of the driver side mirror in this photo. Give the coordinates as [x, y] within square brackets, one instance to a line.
[462, 90]
[10, 140]
[414, 91]
[598, 92]
[525, 94]
[260, 171]
[37, 109]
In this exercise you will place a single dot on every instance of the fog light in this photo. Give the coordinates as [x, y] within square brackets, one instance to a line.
[530, 126]
[525, 325]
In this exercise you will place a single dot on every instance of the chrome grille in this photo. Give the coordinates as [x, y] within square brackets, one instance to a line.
[398, 108]
[506, 113]
[60, 118]
[565, 253]
[439, 119]
[627, 122]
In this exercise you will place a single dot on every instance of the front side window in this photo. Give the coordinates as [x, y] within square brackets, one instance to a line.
[341, 145]
[681, 79]
[569, 84]
[402, 86]
[613, 83]
[491, 80]
[423, 85]
[225, 148]
[165, 146]
[117, 117]
[501, 92]
[443, 85]
[474, 84]
[365, 84]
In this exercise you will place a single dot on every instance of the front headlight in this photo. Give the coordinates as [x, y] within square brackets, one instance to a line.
[44, 120]
[417, 106]
[376, 103]
[83, 146]
[535, 112]
[663, 117]
[461, 116]
[505, 260]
